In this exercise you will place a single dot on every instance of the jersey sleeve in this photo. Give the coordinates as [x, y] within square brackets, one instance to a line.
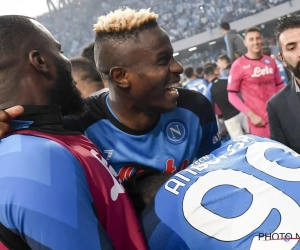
[235, 78]
[45, 196]
[236, 101]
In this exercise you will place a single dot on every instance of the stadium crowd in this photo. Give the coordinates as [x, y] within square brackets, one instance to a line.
[180, 18]
[112, 150]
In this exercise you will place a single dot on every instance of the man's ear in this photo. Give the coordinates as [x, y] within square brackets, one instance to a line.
[282, 59]
[38, 61]
[119, 75]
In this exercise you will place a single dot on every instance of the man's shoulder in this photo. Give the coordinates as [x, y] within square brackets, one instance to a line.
[222, 79]
[96, 110]
[238, 62]
[32, 150]
[190, 98]
[276, 100]
[269, 60]
[197, 103]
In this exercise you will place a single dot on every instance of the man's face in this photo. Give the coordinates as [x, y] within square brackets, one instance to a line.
[222, 64]
[253, 42]
[290, 50]
[154, 72]
[63, 91]
[217, 71]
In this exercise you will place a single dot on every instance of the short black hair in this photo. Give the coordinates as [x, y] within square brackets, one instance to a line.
[117, 38]
[252, 29]
[284, 23]
[224, 57]
[209, 70]
[87, 70]
[88, 52]
[225, 26]
[199, 71]
[189, 71]
[266, 51]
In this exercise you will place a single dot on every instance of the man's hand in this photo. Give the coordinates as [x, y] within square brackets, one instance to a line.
[6, 116]
[255, 119]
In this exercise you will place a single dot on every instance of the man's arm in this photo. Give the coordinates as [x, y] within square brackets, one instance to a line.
[45, 196]
[234, 85]
[276, 132]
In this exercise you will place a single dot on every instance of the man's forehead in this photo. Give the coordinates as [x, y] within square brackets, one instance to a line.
[252, 34]
[290, 35]
[155, 39]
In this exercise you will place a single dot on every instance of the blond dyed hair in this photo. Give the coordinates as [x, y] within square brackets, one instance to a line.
[124, 20]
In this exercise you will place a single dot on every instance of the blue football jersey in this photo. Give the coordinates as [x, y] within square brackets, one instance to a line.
[282, 72]
[45, 196]
[244, 195]
[199, 85]
[174, 141]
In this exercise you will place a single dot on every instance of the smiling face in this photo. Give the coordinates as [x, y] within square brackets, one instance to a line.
[253, 42]
[289, 42]
[149, 72]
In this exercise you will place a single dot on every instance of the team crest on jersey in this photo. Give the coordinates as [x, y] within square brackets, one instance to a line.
[267, 61]
[176, 131]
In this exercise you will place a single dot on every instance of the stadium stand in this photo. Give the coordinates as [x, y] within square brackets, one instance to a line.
[72, 24]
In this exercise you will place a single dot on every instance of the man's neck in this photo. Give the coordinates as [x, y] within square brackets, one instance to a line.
[131, 117]
[252, 55]
[192, 78]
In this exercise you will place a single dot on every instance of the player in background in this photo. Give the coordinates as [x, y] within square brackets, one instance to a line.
[235, 121]
[199, 72]
[282, 71]
[227, 200]
[194, 82]
[234, 42]
[86, 76]
[257, 78]
[224, 65]
[88, 53]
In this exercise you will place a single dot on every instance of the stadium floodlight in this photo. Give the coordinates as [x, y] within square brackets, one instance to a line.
[212, 43]
[192, 49]
[176, 54]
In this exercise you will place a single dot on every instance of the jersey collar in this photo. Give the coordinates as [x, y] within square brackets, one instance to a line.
[45, 118]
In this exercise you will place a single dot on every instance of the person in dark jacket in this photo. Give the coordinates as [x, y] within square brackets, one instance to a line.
[234, 42]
